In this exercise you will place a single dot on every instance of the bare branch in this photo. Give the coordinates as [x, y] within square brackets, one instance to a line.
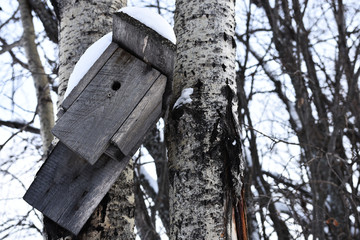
[47, 18]
[19, 125]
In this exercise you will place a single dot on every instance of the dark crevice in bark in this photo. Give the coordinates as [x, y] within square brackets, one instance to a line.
[233, 167]
[53, 231]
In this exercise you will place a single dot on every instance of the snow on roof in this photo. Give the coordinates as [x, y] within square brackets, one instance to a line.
[152, 20]
[144, 15]
[87, 60]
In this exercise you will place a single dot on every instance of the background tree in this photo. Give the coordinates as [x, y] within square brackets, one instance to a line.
[307, 54]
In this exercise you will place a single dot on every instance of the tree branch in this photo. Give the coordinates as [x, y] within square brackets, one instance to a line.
[22, 126]
[47, 17]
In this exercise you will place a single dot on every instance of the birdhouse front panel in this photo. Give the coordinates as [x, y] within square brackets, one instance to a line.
[104, 105]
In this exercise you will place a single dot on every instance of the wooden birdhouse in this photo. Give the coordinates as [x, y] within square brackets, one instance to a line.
[102, 123]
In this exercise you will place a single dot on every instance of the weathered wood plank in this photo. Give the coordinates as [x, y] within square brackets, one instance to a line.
[146, 113]
[144, 42]
[104, 105]
[100, 62]
[67, 189]
[114, 152]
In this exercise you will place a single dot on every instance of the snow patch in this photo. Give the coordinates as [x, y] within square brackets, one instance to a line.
[144, 170]
[147, 167]
[282, 207]
[294, 116]
[184, 98]
[160, 126]
[87, 60]
[152, 20]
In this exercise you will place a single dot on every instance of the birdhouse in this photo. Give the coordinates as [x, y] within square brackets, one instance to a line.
[102, 123]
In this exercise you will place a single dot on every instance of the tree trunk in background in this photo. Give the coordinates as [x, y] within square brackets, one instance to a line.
[44, 107]
[82, 23]
[204, 149]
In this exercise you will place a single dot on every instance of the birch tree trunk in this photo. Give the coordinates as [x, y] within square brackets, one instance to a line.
[204, 149]
[44, 107]
[82, 23]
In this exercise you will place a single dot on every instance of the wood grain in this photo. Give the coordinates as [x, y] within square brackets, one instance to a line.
[144, 43]
[88, 125]
[145, 115]
[67, 188]
[89, 76]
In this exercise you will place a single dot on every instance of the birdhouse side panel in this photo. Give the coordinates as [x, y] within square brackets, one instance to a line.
[146, 114]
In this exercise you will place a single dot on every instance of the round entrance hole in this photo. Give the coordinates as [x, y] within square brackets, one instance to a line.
[115, 86]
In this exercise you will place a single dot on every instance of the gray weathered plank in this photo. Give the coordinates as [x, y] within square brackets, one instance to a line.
[99, 111]
[114, 152]
[146, 113]
[67, 189]
[144, 42]
[100, 62]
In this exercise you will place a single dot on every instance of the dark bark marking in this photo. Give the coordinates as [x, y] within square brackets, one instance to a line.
[233, 42]
[199, 83]
[214, 132]
[225, 37]
[104, 202]
[176, 114]
[232, 167]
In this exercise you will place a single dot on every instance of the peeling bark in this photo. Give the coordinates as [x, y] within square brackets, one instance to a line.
[205, 163]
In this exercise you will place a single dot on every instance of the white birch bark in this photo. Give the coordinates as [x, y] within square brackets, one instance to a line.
[82, 22]
[205, 163]
[44, 109]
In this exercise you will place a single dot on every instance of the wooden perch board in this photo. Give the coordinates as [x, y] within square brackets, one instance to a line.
[136, 125]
